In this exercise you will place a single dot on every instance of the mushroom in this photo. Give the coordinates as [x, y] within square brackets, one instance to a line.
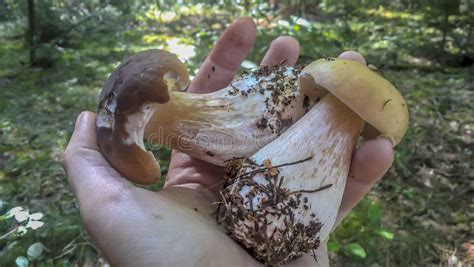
[142, 99]
[282, 202]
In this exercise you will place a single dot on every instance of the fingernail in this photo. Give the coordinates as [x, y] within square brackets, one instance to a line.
[388, 139]
[80, 119]
[353, 55]
[241, 32]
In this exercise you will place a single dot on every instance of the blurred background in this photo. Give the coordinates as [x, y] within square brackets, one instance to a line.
[55, 55]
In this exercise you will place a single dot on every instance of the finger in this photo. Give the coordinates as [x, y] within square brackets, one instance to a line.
[90, 175]
[82, 137]
[283, 49]
[187, 170]
[352, 55]
[220, 66]
[216, 72]
[370, 162]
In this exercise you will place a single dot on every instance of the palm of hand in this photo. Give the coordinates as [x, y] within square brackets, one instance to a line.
[134, 226]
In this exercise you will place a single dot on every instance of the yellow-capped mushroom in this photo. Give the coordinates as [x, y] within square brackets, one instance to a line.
[282, 202]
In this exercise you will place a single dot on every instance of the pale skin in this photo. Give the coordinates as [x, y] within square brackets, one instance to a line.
[132, 226]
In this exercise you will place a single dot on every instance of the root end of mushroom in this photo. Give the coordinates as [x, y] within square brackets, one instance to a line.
[279, 212]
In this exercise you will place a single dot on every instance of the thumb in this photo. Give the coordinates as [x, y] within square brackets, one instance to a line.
[84, 133]
[89, 173]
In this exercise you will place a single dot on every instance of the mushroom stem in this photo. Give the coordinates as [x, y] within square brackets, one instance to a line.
[139, 102]
[232, 122]
[279, 213]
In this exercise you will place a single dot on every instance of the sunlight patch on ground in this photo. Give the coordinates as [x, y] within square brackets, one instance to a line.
[183, 51]
[153, 38]
[420, 61]
[388, 14]
[174, 13]
[166, 16]
[174, 45]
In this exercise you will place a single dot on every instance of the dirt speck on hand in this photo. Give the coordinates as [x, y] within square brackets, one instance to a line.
[157, 216]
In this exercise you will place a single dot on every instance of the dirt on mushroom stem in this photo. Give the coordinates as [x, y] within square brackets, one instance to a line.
[278, 212]
[255, 108]
[234, 121]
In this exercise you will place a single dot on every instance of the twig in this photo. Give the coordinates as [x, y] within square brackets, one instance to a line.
[9, 233]
[274, 167]
[311, 191]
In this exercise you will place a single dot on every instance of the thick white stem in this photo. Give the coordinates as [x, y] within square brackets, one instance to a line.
[326, 137]
[329, 134]
[214, 127]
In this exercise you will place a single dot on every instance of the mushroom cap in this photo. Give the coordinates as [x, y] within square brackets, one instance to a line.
[123, 110]
[367, 93]
[145, 77]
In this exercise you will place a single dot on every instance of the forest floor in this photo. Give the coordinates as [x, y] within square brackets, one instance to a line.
[419, 214]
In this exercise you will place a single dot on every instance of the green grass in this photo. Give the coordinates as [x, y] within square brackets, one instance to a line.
[419, 213]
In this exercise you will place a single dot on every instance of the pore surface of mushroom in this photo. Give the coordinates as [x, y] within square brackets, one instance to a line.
[141, 100]
[283, 201]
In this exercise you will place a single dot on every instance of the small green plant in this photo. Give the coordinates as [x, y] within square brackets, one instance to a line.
[21, 222]
[361, 235]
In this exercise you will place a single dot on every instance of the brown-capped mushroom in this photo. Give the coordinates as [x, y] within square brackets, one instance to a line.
[142, 100]
[122, 112]
[282, 202]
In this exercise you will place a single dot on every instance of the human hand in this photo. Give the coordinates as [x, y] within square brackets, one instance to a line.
[172, 227]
